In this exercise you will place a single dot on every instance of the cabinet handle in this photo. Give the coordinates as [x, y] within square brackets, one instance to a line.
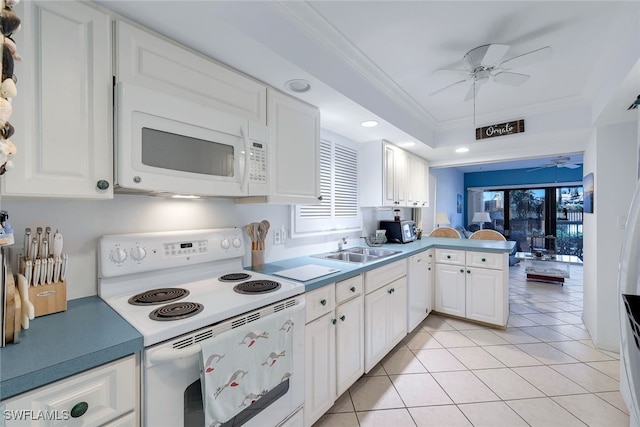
[79, 409]
[323, 302]
[390, 291]
[353, 289]
[342, 317]
[102, 184]
[333, 321]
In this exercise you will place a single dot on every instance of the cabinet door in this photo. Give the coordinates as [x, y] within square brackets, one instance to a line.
[397, 312]
[450, 289]
[418, 290]
[349, 343]
[295, 141]
[389, 176]
[62, 114]
[377, 324]
[320, 362]
[484, 301]
[401, 179]
[146, 59]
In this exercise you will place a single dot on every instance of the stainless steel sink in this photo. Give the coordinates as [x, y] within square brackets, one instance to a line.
[357, 254]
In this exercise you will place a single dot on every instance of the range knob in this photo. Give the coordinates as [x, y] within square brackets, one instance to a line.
[138, 253]
[118, 255]
[226, 244]
[237, 242]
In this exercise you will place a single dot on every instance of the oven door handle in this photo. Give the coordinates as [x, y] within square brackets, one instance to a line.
[171, 354]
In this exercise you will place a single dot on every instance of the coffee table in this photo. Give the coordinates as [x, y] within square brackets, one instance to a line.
[548, 268]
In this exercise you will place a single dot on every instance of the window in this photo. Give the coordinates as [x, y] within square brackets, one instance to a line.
[339, 208]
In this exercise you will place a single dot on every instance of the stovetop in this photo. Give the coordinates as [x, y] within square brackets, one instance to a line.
[124, 273]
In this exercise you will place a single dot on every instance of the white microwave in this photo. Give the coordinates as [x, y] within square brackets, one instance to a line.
[168, 145]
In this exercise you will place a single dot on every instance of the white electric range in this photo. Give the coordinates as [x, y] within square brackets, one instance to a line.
[179, 288]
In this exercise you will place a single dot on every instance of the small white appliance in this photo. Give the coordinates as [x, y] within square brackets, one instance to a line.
[629, 294]
[169, 145]
[180, 288]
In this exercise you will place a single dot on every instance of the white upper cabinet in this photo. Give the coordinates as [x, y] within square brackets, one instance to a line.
[150, 60]
[62, 113]
[390, 176]
[295, 151]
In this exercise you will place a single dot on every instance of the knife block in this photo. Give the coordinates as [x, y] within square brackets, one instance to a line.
[47, 299]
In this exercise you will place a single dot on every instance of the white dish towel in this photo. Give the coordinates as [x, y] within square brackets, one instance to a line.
[241, 365]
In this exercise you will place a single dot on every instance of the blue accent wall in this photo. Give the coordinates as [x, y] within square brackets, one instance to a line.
[522, 177]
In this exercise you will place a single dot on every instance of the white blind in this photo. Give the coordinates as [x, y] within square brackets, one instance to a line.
[338, 209]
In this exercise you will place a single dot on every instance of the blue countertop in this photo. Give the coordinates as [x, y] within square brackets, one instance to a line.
[88, 334]
[348, 269]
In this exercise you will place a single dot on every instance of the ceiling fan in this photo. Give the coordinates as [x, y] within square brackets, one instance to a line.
[485, 63]
[559, 162]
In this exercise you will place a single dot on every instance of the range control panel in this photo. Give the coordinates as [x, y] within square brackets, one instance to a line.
[137, 253]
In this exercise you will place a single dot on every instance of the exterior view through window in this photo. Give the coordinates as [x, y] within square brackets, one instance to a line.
[547, 218]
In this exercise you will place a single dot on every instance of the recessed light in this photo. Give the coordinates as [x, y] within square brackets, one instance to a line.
[462, 150]
[298, 85]
[369, 124]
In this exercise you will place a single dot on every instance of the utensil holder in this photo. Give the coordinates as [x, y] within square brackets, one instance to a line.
[47, 299]
[257, 259]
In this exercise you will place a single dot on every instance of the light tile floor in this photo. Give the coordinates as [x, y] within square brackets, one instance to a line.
[543, 370]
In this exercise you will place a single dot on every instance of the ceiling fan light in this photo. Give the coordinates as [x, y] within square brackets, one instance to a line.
[369, 124]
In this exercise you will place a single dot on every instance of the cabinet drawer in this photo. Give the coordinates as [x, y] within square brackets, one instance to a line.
[485, 260]
[320, 301]
[450, 256]
[375, 279]
[348, 288]
[105, 393]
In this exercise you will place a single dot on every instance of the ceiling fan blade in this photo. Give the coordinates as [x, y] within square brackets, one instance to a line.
[509, 78]
[450, 71]
[447, 87]
[495, 52]
[571, 166]
[471, 93]
[527, 58]
[541, 167]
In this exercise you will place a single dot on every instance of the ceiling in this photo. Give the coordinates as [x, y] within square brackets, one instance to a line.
[376, 60]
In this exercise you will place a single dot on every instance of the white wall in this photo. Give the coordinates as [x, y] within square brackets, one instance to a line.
[612, 157]
[83, 222]
[449, 183]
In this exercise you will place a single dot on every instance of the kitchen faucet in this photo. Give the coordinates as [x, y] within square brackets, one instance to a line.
[342, 241]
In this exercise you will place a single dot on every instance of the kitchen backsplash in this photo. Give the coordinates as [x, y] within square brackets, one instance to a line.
[83, 222]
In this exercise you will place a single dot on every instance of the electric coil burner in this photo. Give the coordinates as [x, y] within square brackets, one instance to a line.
[256, 287]
[234, 277]
[158, 296]
[176, 311]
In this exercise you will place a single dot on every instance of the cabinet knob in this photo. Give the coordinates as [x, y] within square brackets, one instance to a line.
[323, 302]
[333, 321]
[484, 259]
[468, 271]
[448, 256]
[102, 184]
[342, 317]
[353, 289]
[320, 198]
[79, 409]
[461, 271]
[429, 268]
[389, 291]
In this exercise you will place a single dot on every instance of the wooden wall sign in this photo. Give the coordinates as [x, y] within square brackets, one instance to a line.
[500, 129]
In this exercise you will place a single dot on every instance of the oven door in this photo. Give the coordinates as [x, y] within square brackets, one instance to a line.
[172, 393]
[169, 145]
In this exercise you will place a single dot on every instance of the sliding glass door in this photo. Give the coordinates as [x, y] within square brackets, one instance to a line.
[547, 218]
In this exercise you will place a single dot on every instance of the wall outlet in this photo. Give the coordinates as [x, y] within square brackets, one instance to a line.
[277, 237]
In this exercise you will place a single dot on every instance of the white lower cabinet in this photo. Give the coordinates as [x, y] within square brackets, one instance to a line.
[473, 285]
[334, 344]
[385, 311]
[102, 396]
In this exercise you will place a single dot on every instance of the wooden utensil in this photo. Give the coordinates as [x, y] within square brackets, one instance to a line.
[264, 229]
[249, 230]
[10, 309]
